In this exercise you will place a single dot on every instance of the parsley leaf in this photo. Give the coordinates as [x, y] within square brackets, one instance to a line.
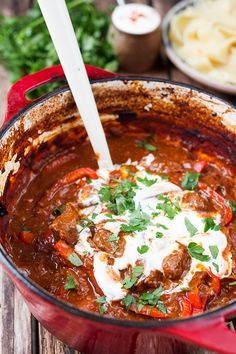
[146, 146]
[101, 299]
[159, 234]
[58, 210]
[113, 238]
[216, 266]
[196, 251]
[190, 180]
[102, 304]
[161, 306]
[232, 206]
[137, 271]
[190, 227]
[138, 222]
[151, 298]
[88, 180]
[210, 224]
[142, 249]
[147, 182]
[168, 207]
[214, 251]
[74, 259]
[162, 226]
[232, 283]
[129, 300]
[128, 282]
[94, 215]
[119, 198]
[70, 284]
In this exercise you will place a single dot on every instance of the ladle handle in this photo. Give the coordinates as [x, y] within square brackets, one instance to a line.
[16, 98]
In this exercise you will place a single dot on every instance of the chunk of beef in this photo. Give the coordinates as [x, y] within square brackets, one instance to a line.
[154, 279]
[199, 202]
[176, 264]
[65, 224]
[101, 240]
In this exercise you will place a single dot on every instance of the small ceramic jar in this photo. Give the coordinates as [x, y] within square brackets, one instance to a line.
[135, 36]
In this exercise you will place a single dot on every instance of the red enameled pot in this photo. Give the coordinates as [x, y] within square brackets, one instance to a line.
[88, 332]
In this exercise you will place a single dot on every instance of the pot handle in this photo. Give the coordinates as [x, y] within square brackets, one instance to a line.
[16, 98]
[209, 332]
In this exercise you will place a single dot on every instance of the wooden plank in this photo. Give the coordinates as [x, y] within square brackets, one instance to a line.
[22, 326]
[7, 315]
[51, 345]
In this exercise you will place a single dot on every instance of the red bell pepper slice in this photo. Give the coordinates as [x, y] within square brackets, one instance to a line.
[199, 166]
[149, 311]
[215, 282]
[27, 237]
[63, 249]
[220, 201]
[194, 298]
[186, 307]
[77, 174]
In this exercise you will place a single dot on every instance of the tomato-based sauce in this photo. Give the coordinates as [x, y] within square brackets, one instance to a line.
[153, 238]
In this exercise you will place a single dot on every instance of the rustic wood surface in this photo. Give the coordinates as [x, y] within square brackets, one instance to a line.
[20, 333]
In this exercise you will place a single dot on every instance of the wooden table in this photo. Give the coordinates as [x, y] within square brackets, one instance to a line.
[20, 333]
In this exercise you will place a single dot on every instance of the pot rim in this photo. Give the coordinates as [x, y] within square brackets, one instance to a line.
[34, 287]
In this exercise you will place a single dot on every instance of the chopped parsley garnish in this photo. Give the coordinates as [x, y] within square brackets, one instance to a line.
[147, 182]
[137, 271]
[94, 215]
[159, 234]
[102, 304]
[151, 298]
[190, 180]
[196, 251]
[142, 249]
[232, 206]
[129, 300]
[88, 180]
[162, 226]
[169, 208]
[214, 251]
[190, 227]
[108, 215]
[210, 224]
[138, 221]
[74, 259]
[232, 283]
[187, 288]
[161, 306]
[147, 146]
[113, 238]
[70, 284]
[119, 198]
[58, 210]
[128, 282]
[216, 266]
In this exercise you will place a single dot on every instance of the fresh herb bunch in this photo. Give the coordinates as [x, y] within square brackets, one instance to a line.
[26, 47]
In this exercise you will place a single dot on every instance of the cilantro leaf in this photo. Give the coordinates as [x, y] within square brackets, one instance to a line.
[196, 251]
[214, 251]
[147, 182]
[190, 180]
[232, 283]
[129, 300]
[102, 304]
[210, 224]
[142, 249]
[190, 227]
[162, 226]
[232, 206]
[74, 259]
[70, 284]
[101, 299]
[88, 180]
[137, 271]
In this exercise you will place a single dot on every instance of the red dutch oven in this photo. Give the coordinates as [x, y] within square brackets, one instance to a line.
[86, 331]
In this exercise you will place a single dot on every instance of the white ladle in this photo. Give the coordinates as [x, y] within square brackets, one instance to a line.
[59, 24]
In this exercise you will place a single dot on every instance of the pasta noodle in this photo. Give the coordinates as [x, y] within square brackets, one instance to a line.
[204, 36]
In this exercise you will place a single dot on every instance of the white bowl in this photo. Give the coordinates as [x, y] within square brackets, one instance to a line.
[181, 64]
